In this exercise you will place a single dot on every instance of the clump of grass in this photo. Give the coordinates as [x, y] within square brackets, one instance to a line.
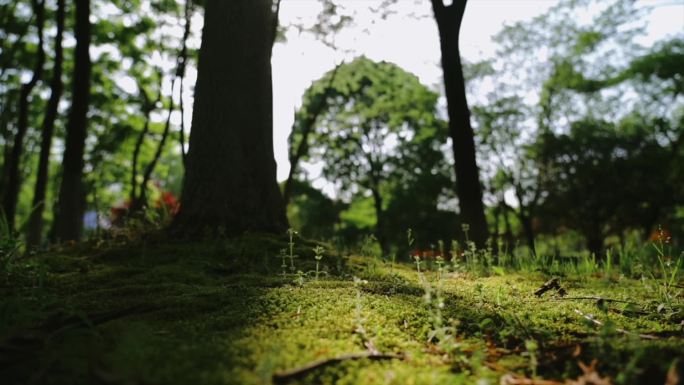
[665, 286]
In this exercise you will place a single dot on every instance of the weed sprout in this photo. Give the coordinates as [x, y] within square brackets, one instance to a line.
[291, 233]
[318, 255]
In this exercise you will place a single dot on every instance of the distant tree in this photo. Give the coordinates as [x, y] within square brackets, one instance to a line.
[304, 122]
[605, 178]
[501, 124]
[312, 213]
[589, 71]
[230, 180]
[11, 193]
[468, 187]
[71, 200]
[15, 59]
[371, 111]
[35, 223]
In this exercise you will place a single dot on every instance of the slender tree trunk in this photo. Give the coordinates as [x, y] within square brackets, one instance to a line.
[148, 106]
[8, 56]
[9, 96]
[380, 222]
[526, 221]
[180, 73]
[35, 224]
[508, 231]
[141, 201]
[13, 176]
[595, 245]
[468, 187]
[230, 181]
[5, 118]
[71, 201]
[307, 125]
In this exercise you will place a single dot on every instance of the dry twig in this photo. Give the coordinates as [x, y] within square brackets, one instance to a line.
[623, 331]
[287, 375]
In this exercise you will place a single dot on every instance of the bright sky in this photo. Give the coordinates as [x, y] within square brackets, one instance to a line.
[410, 42]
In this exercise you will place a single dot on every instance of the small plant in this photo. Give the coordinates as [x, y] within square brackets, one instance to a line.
[291, 233]
[318, 255]
[368, 251]
[532, 352]
[489, 253]
[440, 266]
[299, 279]
[358, 318]
[393, 261]
[665, 287]
[416, 258]
[455, 265]
[283, 255]
[465, 228]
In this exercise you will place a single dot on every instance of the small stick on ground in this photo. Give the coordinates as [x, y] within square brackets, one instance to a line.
[287, 375]
[551, 284]
[623, 331]
[511, 379]
[595, 298]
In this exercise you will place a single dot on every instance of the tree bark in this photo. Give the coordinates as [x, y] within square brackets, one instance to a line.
[71, 201]
[11, 194]
[468, 187]
[230, 182]
[35, 223]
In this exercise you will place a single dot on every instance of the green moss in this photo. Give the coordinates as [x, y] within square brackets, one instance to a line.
[220, 313]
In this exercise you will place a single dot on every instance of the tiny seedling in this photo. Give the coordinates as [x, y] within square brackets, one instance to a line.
[291, 233]
[358, 319]
[283, 255]
[299, 280]
[318, 255]
[440, 266]
[418, 262]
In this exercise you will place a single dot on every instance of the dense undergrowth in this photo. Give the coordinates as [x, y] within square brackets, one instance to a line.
[236, 312]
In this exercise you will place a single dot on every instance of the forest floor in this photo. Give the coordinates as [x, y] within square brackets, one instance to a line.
[221, 312]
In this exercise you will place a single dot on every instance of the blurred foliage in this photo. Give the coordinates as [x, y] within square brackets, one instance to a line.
[378, 136]
[128, 38]
[579, 127]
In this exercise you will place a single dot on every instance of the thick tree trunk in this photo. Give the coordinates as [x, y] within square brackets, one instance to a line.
[35, 223]
[71, 201]
[230, 182]
[468, 187]
[11, 194]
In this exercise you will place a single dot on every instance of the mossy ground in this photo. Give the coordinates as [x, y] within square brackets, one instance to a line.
[220, 312]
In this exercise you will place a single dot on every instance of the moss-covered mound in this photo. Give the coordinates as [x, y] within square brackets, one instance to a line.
[223, 312]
